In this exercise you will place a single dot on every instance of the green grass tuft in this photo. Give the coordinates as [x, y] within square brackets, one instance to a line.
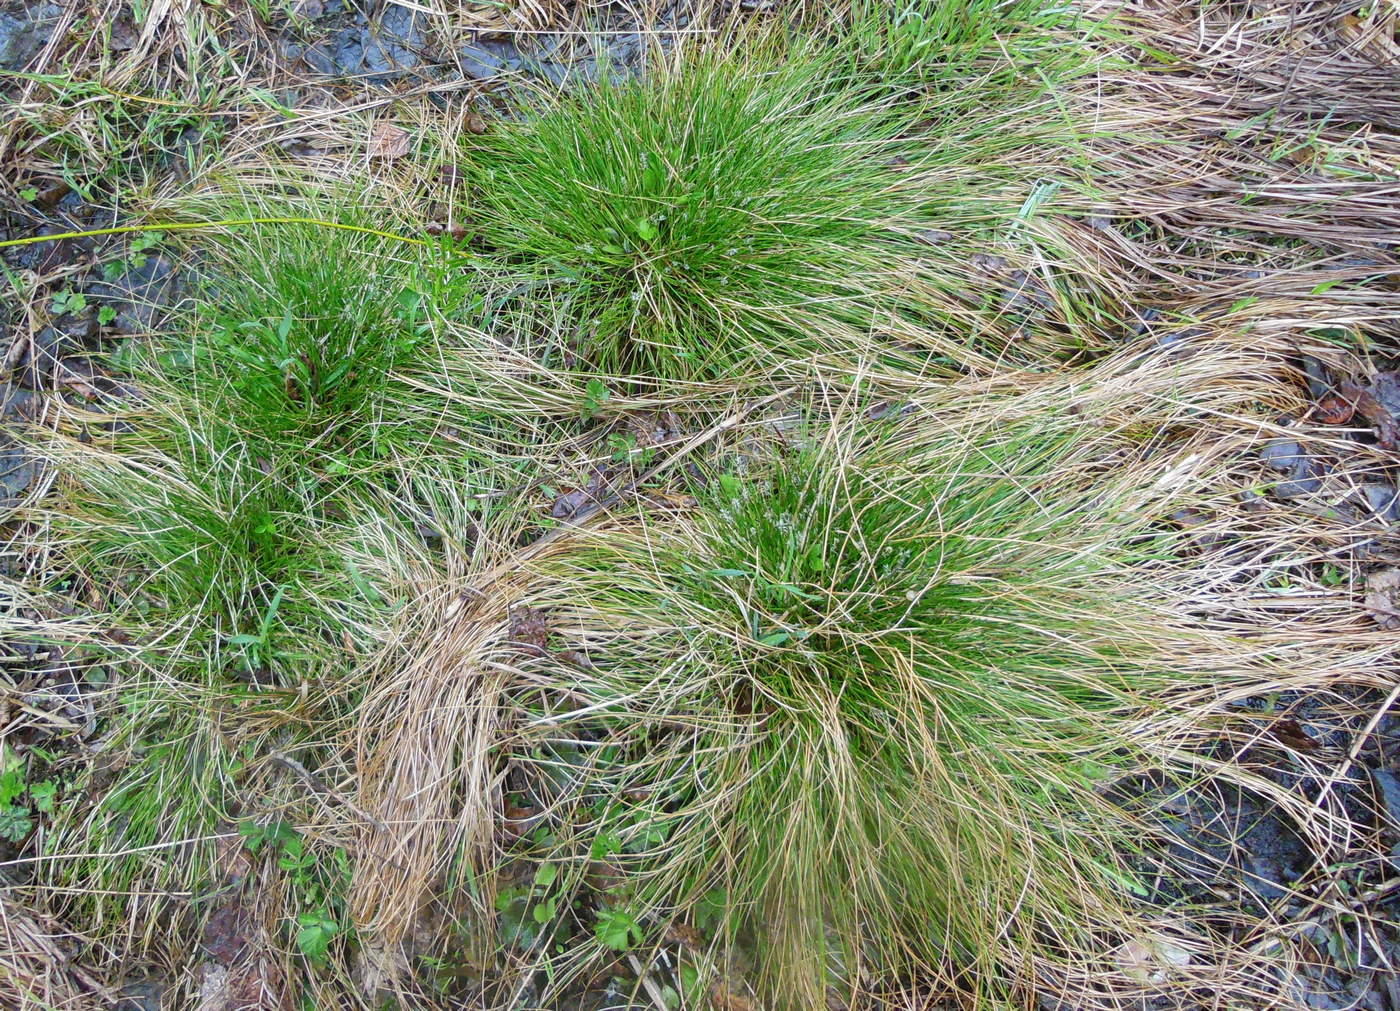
[248, 523]
[742, 206]
[861, 701]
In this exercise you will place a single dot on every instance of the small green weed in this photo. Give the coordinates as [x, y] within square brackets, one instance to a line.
[617, 929]
[595, 395]
[136, 257]
[22, 798]
[318, 883]
[69, 302]
[257, 647]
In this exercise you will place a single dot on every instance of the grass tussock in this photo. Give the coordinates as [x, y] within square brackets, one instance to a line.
[853, 716]
[247, 524]
[753, 203]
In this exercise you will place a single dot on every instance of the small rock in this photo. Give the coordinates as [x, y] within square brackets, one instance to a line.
[142, 293]
[933, 236]
[484, 59]
[1264, 876]
[1297, 488]
[35, 361]
[1383, 500]
[1252, 501]
[140, 996]
[24, 35]
[1383, 598]
[320, 57]
[1387, 784]
[394, 45]
[1319, 382]
[1304, 472]
[1151, 960]
[1281, 454]
[46, 257]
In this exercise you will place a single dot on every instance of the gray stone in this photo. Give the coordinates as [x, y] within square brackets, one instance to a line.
[1281, 454]
[141, 294]
[1383, 500]
[24, 34]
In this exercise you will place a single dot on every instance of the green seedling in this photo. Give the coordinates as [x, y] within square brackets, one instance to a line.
[69, 302]
[595, 395]
[257, 647]
[136, 258]
[20, 799]
[316, 882]
[315, 931]
[617, 928]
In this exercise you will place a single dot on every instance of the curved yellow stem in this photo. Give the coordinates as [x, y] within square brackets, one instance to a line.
[190, 226]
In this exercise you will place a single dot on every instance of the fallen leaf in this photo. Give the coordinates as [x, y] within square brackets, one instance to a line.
[1288, 731]
[529, 629]
[1379, 403]
[651, 428]
[577, 659]
[388, 141]
[1333, 411]
[573, 502]
[518, 820]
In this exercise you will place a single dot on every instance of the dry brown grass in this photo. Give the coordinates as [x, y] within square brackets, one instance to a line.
[37, 964]
[1258, 144]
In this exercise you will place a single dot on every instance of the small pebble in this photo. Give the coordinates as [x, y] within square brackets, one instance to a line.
[1281, 454]
[1383, 500]
[1297, 488]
